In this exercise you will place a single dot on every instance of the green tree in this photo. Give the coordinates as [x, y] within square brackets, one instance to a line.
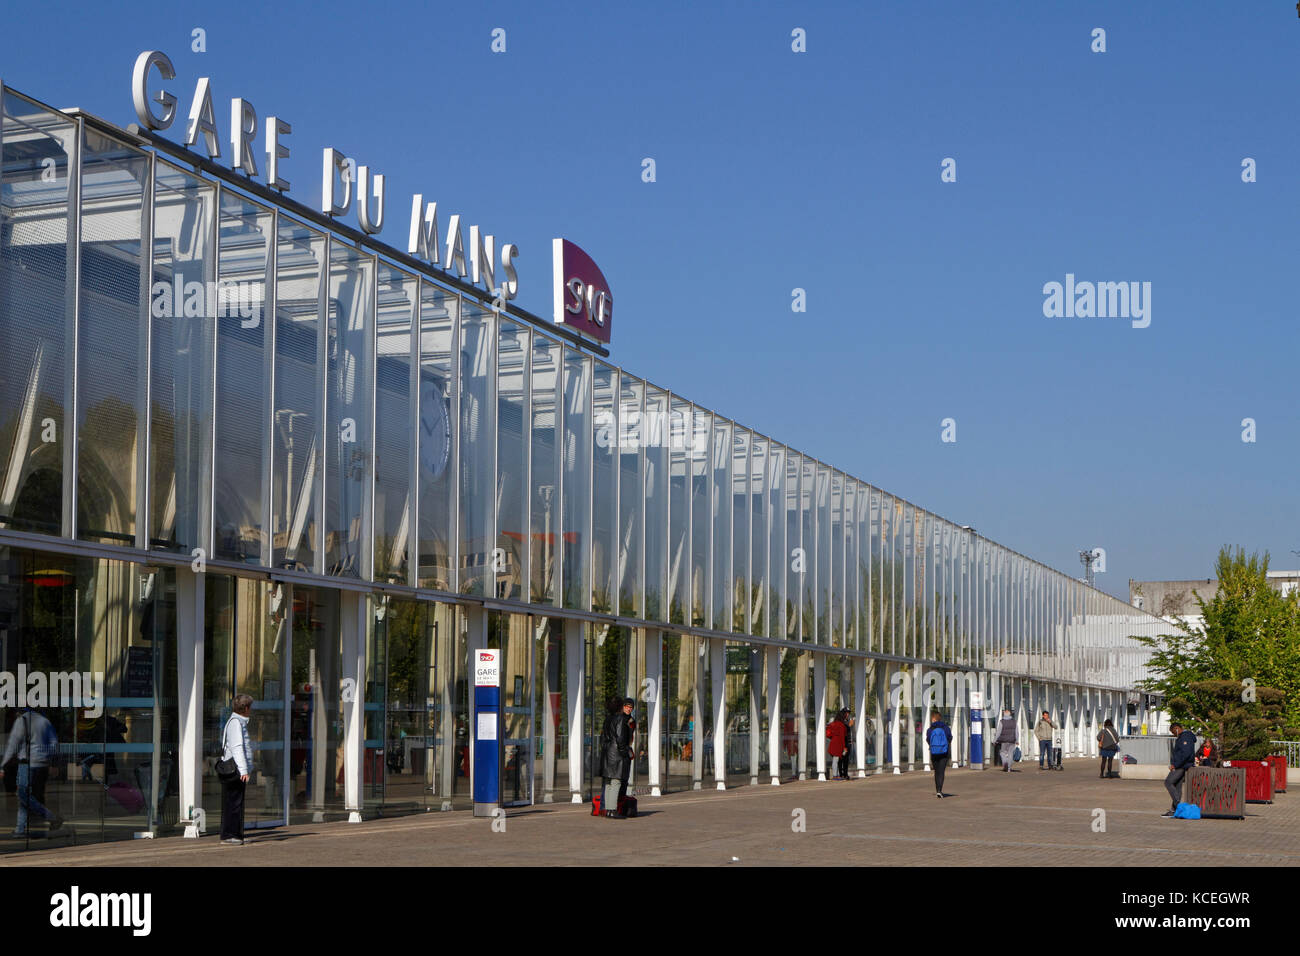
[1250, 631]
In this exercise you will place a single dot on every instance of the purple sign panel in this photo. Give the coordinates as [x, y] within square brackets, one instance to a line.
[582, 297]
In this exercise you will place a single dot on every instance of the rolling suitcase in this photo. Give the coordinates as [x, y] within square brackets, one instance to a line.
[627, 806]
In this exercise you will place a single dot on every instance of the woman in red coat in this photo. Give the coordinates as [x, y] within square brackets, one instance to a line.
[837, 732]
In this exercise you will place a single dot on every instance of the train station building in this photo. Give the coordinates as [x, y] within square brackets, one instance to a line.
[249, 447]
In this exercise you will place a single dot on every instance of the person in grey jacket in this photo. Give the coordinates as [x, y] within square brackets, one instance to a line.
[32, 745]
[1007, 738]
[236, 746]
[1043, 732]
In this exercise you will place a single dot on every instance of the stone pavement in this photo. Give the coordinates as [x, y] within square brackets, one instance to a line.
[1027, 818]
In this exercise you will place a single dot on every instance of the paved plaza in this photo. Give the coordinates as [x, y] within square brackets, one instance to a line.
[1026, 818]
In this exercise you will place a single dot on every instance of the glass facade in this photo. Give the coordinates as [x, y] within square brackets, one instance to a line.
[326, 462]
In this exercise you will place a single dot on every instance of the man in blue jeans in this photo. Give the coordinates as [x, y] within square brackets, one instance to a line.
[33, 743]
[1043, 733]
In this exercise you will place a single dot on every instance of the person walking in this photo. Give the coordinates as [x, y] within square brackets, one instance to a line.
[1108, 740]
[32, 747]
[837, 732]
[615, 753]
[1007, 738]
[233, 769]
[1043, 731]
[1183, 757]
[939, 738]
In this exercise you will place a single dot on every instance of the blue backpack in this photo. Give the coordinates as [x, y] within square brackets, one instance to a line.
[938, 741]
[1188, 811]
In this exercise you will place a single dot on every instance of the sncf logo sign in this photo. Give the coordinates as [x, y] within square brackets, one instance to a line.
[582, 297]
[487, 656]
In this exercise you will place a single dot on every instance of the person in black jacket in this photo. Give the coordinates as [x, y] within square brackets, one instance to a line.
[1183, 756]
[615, 753]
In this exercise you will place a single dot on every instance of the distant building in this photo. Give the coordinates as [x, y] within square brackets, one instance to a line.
[1176, 600]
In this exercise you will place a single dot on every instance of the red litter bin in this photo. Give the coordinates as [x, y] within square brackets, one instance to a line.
[1259, 779]
[1278, 763]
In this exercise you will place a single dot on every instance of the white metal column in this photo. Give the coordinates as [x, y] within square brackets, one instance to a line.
[718, 662]
[819, 701]
[654, 672]
[880, 702]
[189, 695]
[860, 710]
[575, 659]
[774, 714]
[353, 610]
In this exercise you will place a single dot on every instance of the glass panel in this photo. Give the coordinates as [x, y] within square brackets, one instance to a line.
[660, 561]
[394, 423]
[438, 316]
[111, 338]
[835, 591]
[94, 758]
[723, 506]
[181, 355]
[244, 653]
[545, 514]
[758, 537]
[778, 559]
[35, 314]
[604, 490]
[243, 383]
[296, 480]
[513, 344]
[348, 430]
[741, 598]
[316, 735]
[680, 437]
[631, 496]
[477, 448]
[794, 559]
[701, 518]
[407, 629]
[550, 719]
[577, 479]
[808, 579]
[513, 634]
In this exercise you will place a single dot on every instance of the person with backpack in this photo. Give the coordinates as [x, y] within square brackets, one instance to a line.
[1043, 734]
[1007, 738]
[939, 738]
[1109, 741]
[837, 732]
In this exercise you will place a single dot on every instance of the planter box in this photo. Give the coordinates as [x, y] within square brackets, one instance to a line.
[1220, 792]
[1259, 779]
[1278, 762]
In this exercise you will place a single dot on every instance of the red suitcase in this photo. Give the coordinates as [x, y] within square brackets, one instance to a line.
[595, 805]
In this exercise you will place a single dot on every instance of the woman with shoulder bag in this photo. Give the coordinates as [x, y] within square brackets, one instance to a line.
[1109, 741]
[233, 769]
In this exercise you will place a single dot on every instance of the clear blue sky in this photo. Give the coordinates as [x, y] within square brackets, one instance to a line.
[821, 170]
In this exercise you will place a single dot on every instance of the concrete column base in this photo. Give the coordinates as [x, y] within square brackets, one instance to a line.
[354, 816]
[446, 805]
[896, 770]
[548, 798]
[776, 782]
[655, 792]
[697, 786]
[576, 798]
[821, 776]
[861, 773]
[721, 785]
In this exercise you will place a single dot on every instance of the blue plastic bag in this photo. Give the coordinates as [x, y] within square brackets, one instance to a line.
[1187, 811]
[1016, 755]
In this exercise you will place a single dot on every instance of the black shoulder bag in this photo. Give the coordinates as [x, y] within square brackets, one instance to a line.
[227, 769]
